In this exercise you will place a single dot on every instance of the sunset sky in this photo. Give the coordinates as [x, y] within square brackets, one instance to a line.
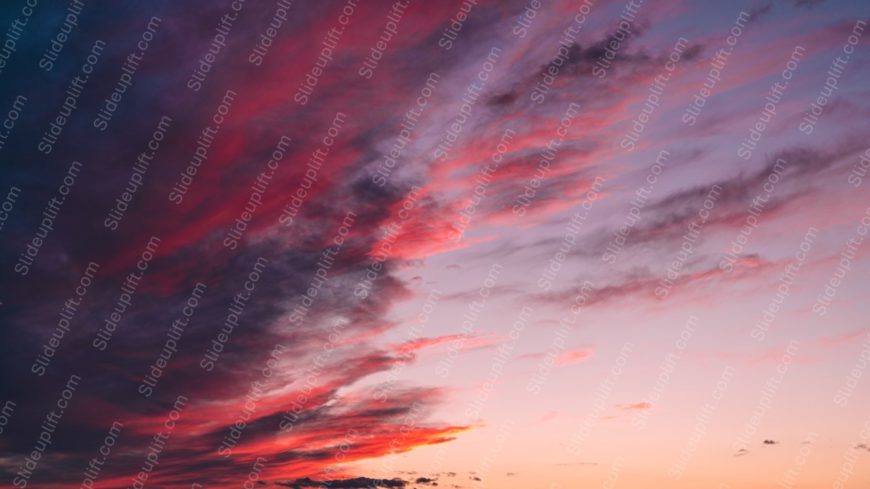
[506, 244]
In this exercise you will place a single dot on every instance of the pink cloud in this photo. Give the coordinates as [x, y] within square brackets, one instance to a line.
[574, 356]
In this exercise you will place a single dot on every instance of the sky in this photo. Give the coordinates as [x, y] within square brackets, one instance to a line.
[466, 244]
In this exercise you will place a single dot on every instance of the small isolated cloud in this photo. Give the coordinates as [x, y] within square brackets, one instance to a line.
[770, 442]
[575, 356]
[637, 406]
[863, 446]
[549, 415]
[741, 452]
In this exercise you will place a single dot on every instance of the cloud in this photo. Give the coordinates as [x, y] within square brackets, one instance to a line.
[770, 442]
[575, 356]
[849, 337]
[637, 406]
[807, 3]
[308, 340]
[657, 237]
[758, 11]
[411, 346]
[330, 403]
[355, 483]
